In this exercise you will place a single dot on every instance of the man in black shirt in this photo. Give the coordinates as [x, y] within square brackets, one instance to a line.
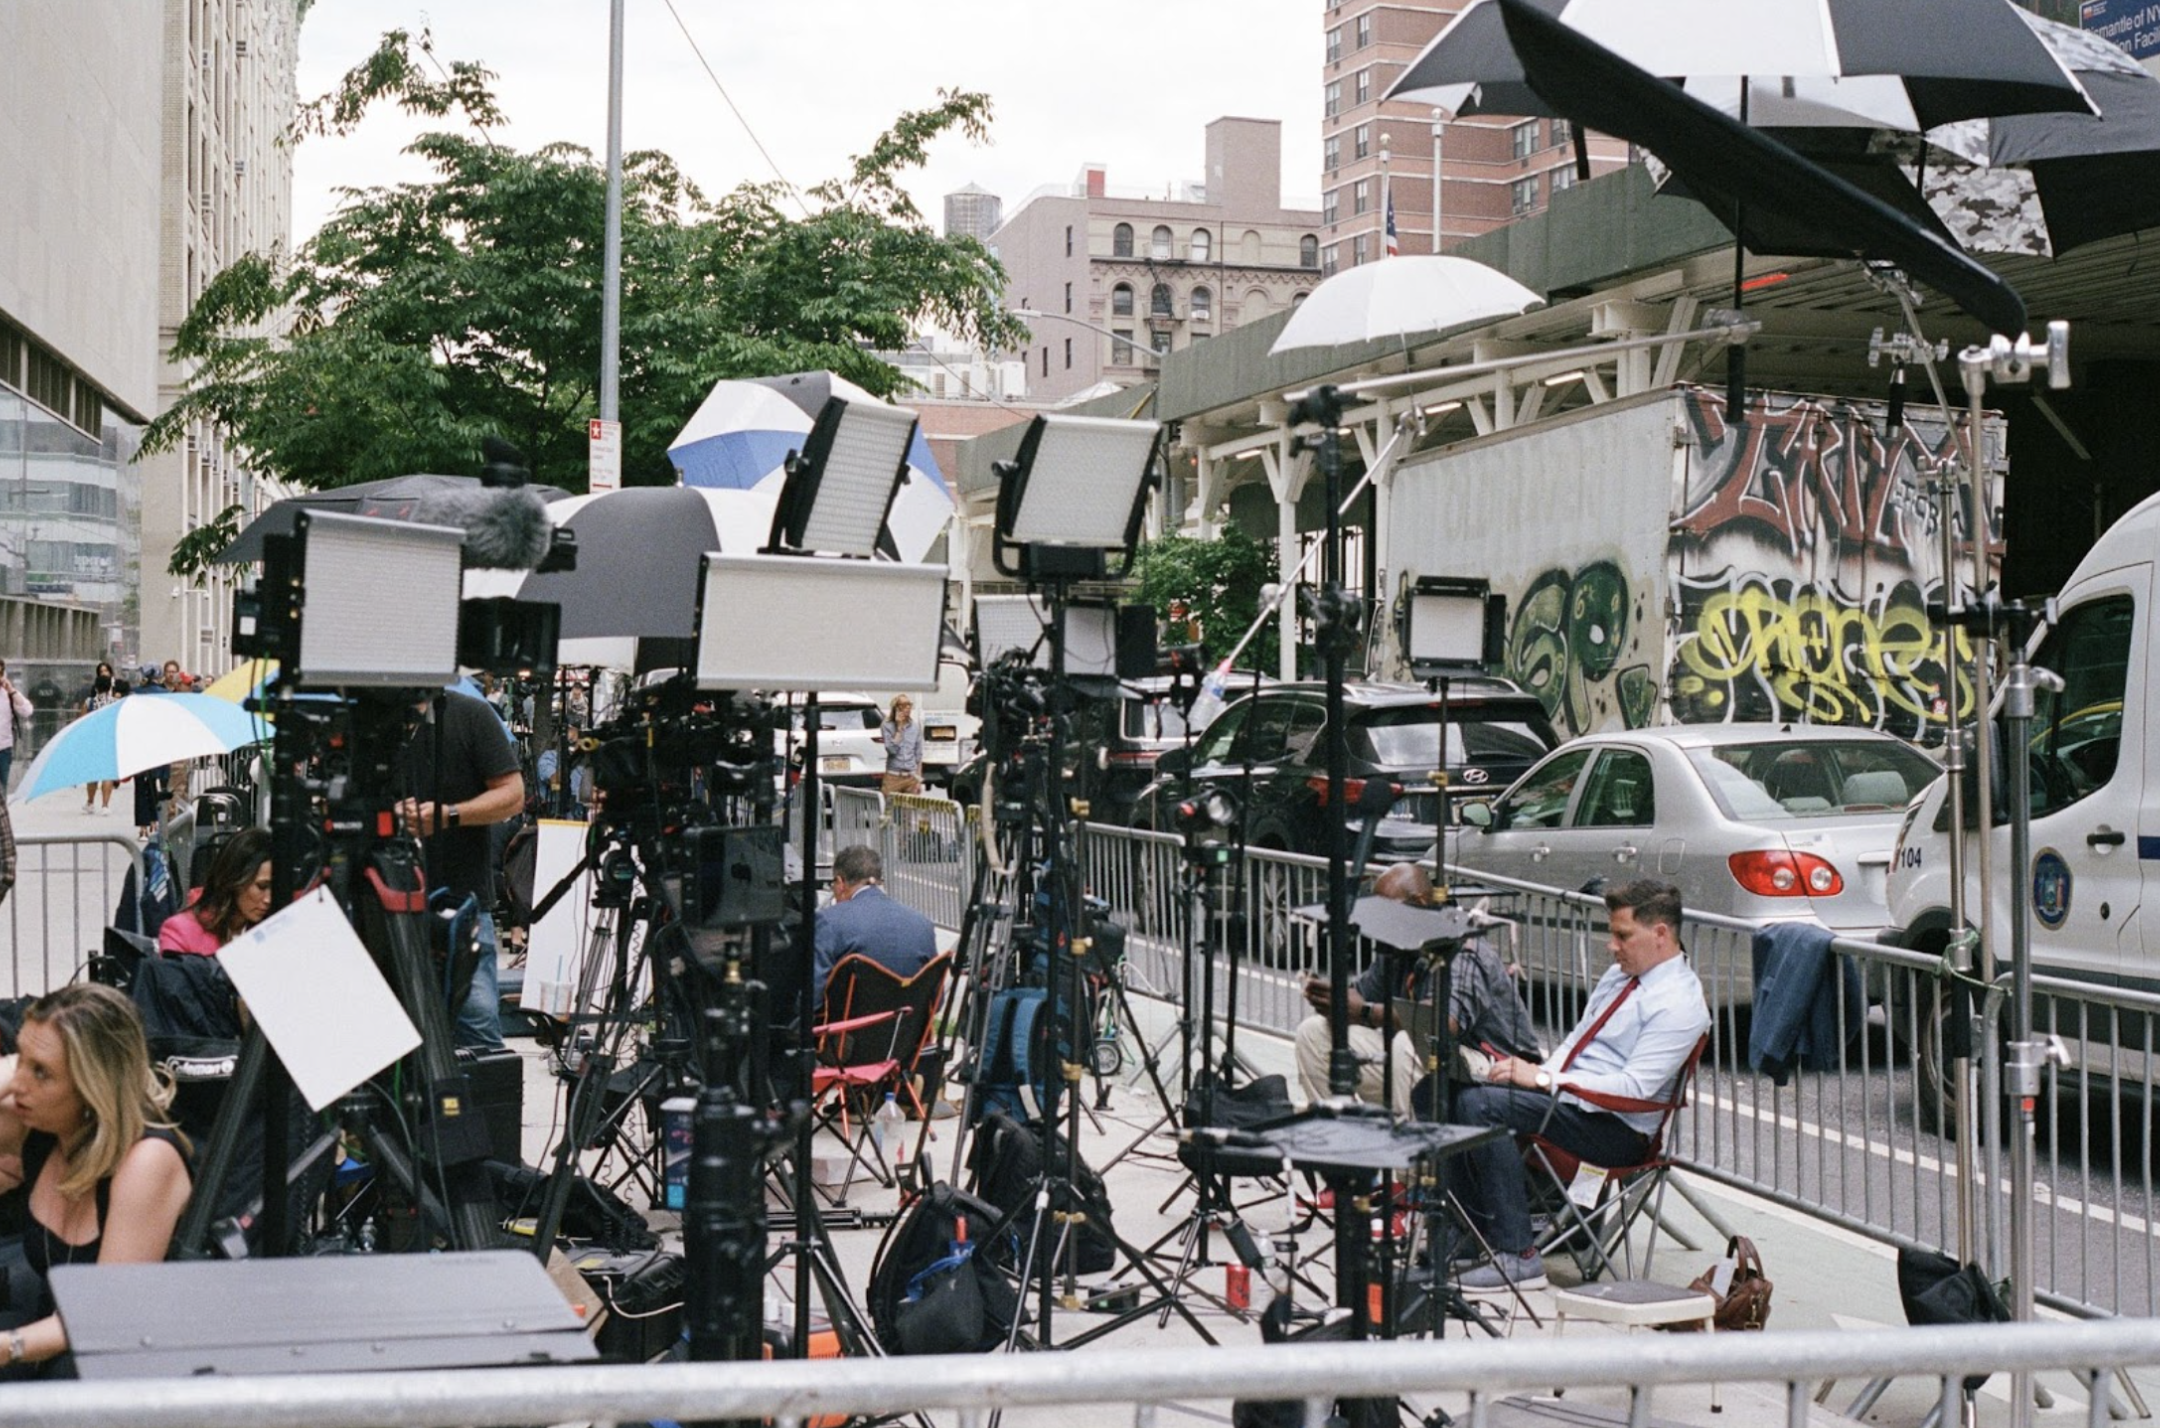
[451, 801]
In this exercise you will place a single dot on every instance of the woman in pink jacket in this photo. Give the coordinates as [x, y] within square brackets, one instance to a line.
[235, 896]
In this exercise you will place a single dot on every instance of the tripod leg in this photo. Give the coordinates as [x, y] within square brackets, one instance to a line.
[191, 1239]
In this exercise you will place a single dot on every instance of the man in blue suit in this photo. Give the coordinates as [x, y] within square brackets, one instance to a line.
[863, 919]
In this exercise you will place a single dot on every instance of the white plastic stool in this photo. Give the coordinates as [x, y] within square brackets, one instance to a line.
[1637, 1303]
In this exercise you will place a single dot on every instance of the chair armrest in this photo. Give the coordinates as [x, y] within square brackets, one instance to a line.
[1607, 1101]
[855, 1023]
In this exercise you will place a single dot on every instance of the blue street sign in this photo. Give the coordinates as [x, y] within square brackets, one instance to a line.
[2132, 24]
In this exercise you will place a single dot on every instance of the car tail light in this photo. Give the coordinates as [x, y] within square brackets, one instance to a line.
[1777, 873]
[1353, 790]
[1134, 758]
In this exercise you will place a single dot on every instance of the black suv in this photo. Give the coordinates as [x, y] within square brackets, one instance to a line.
[1495, 732]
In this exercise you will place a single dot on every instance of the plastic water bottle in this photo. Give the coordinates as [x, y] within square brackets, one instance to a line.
[888, 1127]
[1213, 687]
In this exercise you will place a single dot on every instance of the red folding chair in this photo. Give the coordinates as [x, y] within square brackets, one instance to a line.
[876, 1025]
[1624, 1192]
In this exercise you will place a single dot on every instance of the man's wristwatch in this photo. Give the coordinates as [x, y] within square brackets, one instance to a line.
[16, 1353]
[1544, 1079]
[450, 817]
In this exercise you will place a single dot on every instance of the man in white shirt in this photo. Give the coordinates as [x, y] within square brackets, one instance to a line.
[1644, 1018]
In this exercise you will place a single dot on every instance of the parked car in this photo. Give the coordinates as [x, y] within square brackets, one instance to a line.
[1494, 733]
[850, 748]
[1748, 820]
[1115, 741]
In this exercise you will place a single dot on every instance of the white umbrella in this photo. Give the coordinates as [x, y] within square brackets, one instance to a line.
[1395, 297]
[142, 731]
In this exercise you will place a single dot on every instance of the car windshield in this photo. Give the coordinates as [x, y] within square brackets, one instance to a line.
[1409, 738]
[1807, 778]
[841, 718]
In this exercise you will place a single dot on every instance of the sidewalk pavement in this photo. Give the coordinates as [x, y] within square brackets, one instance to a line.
[1825, 1277]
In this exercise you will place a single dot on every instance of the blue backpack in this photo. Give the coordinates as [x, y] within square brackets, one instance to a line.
[1018, 1059]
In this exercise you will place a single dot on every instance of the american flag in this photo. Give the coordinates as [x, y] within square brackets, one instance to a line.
[1394, 246]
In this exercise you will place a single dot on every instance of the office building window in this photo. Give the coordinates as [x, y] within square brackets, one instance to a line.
[1331, 153]
[1364, 29]
[1121, 349]
[1203, 304]
[1121, 300]
[1068, 297]
[1308, 251]
[1358, 249]
[1068, 240]
[1159, 301]
[1163, 244]
[1523, 194]
[1334, 44]
[1360, 196]
[1121, 241]
[1364, 86]
[1563, 177]
[1202, 245]
[1331, 98]
[1563, 133]
[1068, 354]
[1524, 138]
[1160, 341]
[1330, 206]
[1329, 268]
[1361, 140]
[1046, 361]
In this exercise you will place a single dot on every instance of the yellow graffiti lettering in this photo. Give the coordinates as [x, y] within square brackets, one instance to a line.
[1825, 659]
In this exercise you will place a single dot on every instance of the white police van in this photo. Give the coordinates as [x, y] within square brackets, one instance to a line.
[2095, 757]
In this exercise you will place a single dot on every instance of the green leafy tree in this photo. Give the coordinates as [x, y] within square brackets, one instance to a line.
[424, 316]
[1209, 590]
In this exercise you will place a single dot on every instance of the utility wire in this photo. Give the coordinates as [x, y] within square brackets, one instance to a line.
[755, 142]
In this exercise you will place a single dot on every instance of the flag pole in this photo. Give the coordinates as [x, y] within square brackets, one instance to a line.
[1387, 204]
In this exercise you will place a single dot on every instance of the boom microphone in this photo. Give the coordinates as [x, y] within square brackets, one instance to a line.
[506, 527]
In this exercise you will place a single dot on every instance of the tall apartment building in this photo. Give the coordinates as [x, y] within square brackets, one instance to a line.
[228, 94]
[973, 210]
[1120, 278]
[79, 195]
[1493, 169]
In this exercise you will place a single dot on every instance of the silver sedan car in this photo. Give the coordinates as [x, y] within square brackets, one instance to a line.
[1749, 820]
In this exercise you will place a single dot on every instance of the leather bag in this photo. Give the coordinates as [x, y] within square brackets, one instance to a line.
[1746, 1301]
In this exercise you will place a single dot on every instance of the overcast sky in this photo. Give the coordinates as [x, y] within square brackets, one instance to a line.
[1126, 83]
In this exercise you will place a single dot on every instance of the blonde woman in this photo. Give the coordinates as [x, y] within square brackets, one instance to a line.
[82, 1126]
[903, 748]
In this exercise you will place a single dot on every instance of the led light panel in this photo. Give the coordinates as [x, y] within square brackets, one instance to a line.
[781, 622]
[379, 602]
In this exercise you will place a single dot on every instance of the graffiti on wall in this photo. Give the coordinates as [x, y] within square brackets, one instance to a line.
[1798, 571]
[1575, 641]
[1754, 647]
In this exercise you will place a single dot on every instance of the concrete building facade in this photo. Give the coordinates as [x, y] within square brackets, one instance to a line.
[1493, 169]
[228, 94]
[1119, 279]
[79, 191]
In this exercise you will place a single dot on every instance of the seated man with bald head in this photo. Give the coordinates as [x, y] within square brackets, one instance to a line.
[1484, 1009]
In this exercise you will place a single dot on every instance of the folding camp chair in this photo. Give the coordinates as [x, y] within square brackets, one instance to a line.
[876, 1027]
[1590, 1231]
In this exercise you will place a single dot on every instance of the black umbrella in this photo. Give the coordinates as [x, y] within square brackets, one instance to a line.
[1950, 59]
[397, 498]
[638, 558]
[1714, 153]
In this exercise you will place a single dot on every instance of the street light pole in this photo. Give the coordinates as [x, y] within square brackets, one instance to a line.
[1031, 313]
[611, 244]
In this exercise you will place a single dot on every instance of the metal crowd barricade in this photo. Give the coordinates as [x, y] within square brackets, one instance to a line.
[929, 853]
[67, 890]
[1474, 1373]
[1865, 1144]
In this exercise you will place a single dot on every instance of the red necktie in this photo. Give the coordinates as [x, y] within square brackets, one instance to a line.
[1597, 1026]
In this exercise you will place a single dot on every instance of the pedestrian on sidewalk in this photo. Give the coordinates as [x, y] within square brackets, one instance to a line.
[104, 689]
[13, 706]
[903, 748]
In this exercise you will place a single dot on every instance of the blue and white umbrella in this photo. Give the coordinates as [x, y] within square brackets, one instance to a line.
[142, 731]
[741, 434]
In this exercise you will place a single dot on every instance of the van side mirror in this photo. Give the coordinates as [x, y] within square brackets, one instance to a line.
[1478, 814]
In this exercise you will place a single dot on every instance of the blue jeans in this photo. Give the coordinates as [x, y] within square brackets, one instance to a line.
[479, 1020]
[1488, 1178]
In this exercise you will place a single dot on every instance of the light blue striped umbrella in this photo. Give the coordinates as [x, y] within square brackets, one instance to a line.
[142, 731]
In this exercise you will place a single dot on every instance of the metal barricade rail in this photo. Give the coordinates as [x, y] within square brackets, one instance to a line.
[792, 1392]
[67, 890]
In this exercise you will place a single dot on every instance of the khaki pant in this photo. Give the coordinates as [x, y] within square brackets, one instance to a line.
[900, 783]
[1366, 1044]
